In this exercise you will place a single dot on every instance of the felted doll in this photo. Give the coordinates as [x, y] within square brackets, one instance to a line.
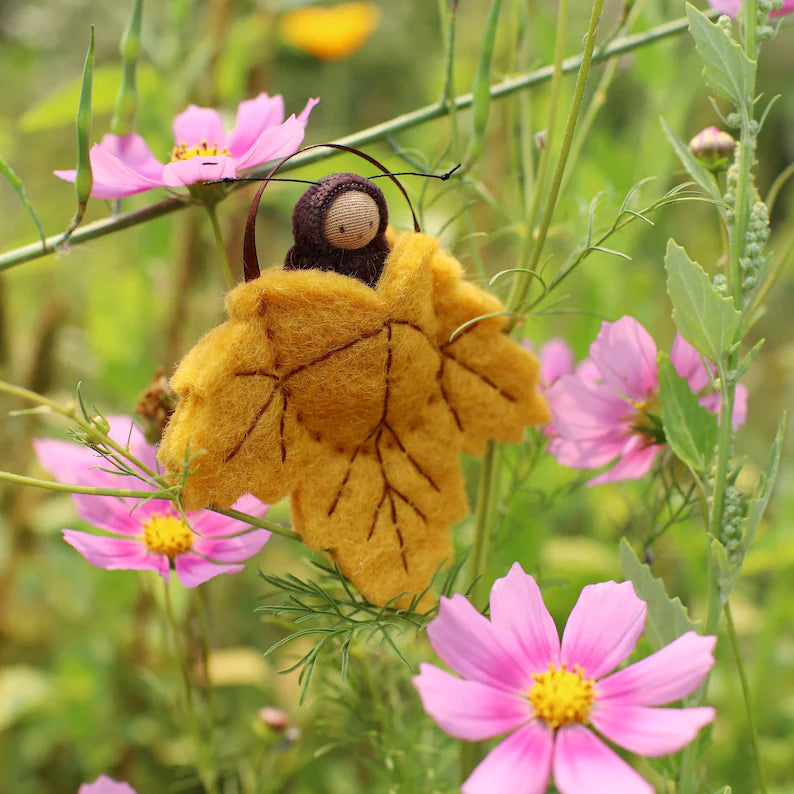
[336, 380]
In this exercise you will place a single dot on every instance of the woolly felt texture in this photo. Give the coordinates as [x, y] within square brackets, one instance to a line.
[353, 401]
[340, 224]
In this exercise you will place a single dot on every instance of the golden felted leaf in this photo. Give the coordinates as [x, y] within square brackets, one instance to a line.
[353, 401]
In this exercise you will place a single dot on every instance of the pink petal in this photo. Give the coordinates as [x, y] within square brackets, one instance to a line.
[272, 144]
[105, 785]
[196, 125]
[585, 453]
[303, 116]
[729, 7]
[529, 633]
[116, 554]
[193, 570]
[236, 549]
[673, 672]
[468, 709]
[519, 765]
[201, 168]
[740, 404]
[584, 410]
[603, 627]
[688, 364]
[625, 355]
[556, 358]
[471, 646]
[133, 151]
[583, 764]
[210, 524]
[124, 431]
[650, 731]
[112, 178]
[254, 116]
[636, 461]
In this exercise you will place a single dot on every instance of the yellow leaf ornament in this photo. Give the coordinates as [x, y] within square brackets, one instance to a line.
[350, 398]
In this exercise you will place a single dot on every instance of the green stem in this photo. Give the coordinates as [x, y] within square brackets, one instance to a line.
[487, 497]
[522, 285]
[262, 523]
[18, 479]
[207, 776]
[545, 155]
[378, 132]
[200, 596]
[94, 433]
[166, 491]
[746, 695]
[216, 231]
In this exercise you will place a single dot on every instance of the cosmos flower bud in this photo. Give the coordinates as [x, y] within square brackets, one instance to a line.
[713, 147]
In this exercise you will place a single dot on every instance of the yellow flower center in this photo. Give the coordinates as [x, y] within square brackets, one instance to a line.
[184, 152]
[560, 696]
[167, 535]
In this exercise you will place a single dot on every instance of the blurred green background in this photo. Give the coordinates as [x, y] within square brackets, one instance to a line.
[86, 686]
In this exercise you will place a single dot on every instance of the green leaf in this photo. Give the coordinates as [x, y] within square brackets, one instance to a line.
[693, 166]
[705, 319]
[690, 429]
[756, 507]
[725, 64]
[667, 618]
[16, 184]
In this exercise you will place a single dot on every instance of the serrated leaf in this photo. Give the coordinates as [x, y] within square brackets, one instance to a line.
[725, 64]
[667, 618]
[705, 319]
[690, 429]
[693, 166]
[19, 189]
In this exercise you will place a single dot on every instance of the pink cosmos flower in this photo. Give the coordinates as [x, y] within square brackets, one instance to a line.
[731, 7]
[150, 535]
[607, 409]
[106, 785]
[556, 359]
[124, 165]
[516, 677]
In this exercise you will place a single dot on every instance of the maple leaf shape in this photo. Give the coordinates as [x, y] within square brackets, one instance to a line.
[354, 402]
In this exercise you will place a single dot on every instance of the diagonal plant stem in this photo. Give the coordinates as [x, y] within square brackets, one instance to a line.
[378, 132]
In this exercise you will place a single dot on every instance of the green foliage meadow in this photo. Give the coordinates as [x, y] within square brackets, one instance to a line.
[88, 679]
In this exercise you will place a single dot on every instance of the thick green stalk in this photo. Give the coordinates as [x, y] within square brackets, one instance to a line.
[522, 285]
[378, 132]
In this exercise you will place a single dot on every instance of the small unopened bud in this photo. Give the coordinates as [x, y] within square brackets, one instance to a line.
[274, 718]
[713, 147]
[100, 423]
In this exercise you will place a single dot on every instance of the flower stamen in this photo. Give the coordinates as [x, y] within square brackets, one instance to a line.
[561, 696]
[184, 152]
[165, 534]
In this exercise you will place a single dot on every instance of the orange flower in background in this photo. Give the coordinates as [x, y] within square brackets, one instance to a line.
[330, 33]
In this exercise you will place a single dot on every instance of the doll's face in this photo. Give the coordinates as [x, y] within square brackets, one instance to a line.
[341, 212]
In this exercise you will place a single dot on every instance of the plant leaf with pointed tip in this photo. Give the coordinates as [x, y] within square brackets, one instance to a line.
[690, 429]
[705, 319]
[726, 66]
[19, 189]
[667, 618]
